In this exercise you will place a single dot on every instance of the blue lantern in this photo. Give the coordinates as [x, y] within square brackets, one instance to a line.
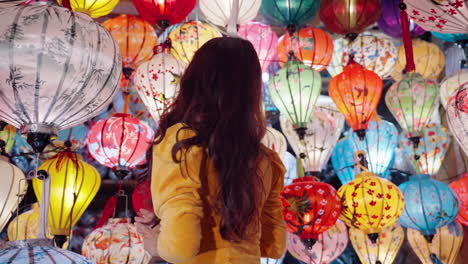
[450, 37]
[343, 161]
[429, 204]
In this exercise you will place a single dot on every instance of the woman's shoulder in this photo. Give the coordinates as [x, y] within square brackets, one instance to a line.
[272, 158]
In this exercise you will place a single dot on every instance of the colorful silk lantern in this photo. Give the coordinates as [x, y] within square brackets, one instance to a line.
[457, 116]
[7, 138]
[449, 85]
[157, 82]
[189, 37]
[455, 59]
[290, 13]
[294, 90]
[116, 242]
[141, 197]
[460, 187]
[356, 92]
[439, 16]
[312, 46]
[384, 252]
[370, 204]
[94, 8]
[339, 60]
[427, 156]
[349, 17]
[429, 204]
[444, 247]
[219, 12]
[450, 37]
[164, 12]
[344, 162]
[309, 208]
[12, 190]
[429, 60]
[264, 40]
[329, 246]
[274, 140]
[61, 81]
[389, 22]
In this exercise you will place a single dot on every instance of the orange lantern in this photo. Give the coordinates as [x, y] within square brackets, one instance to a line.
[460, 187]
[356, 92]
[312, 46]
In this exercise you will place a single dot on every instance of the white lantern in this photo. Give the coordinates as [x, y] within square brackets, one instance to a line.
[12, 189]
[449, 85]
[275, 141]
[218, 12]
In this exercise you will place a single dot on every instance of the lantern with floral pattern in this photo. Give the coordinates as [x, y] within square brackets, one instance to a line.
[460, 187]
[449, 85]
[219, 12]
[12, 190]
[457, 116]
[264, 40]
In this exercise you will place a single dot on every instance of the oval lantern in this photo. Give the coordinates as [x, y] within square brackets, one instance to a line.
[120, 142]
[274, 140]
[340, 46]
[164, 12]
[116, 242]
[428, 58]
[429, 204]
[455, 60]
[219, 12]
[7, 138]
[460, 187]
[289, 13]
[389, 22]
[329, 246]
[444, 248]
[189, 37]
[356, 92]
[312, 46]
[309, 208]
[384, 252]
[370, 204]
[141, 197]
[264, 40]
[12, 190]
[457, 116]
[449, 85]
[53, 83]
[94, 8]
[157, 82]
[344, 162]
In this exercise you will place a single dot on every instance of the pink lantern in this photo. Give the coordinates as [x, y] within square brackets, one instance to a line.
[264, 40]
[120, 142]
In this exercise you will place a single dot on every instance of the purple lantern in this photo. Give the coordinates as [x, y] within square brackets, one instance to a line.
[389, 21]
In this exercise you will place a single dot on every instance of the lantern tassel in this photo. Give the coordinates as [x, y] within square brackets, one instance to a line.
[232, 22]
[405, 28]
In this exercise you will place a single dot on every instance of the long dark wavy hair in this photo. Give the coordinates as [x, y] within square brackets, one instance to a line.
[220, 100]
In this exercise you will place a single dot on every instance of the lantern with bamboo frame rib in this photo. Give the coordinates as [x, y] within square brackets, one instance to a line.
[12, 190]
[276, 141]
[457, 116]
[93, 8]
[450, 84]
[219, 12]
[460, 187]
[164, 12]
[289, 13]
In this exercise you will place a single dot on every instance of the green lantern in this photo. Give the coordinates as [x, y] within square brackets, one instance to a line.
[7, 138]
[294, 90]
[290, 13]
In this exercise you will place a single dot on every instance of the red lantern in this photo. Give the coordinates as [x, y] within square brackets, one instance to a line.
[460, 187]
[141, 198]
[164, 12]
[309, 208]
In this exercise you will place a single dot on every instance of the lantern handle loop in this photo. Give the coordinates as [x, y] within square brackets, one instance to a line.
[232, 22]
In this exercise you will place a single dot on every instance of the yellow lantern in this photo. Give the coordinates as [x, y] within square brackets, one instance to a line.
[12, 188]
[7, 138]
[73, 185]
[444, 247]
[93, 8]
[384, 252]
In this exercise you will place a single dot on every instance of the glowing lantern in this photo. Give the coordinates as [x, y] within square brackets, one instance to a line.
[53, 83]
[312, 46]
[329, 246]
[73, 185]
[344, 161]
[219, 12]
[457, 115]
[429, 204]
[264, 40]
[291, 13]
[12, 190]
[94, 8]
[455, 59]
[389, 21]
[189, 37]
[349, 17]
[141, 197]
[429, 60]
[384, 252]
[460, 187]
[164, 12]
[7, 138]
[157, 82]
[294, 90]
[356, 92]
[115, 242]
[370, 204]
[339, 60]
[309, 208]
[448, 86]
[439, 16]
[275, 141]
[444, 247]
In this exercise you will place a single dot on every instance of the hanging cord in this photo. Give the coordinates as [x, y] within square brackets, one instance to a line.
[405, 28]
[45, 200]
[232, 22]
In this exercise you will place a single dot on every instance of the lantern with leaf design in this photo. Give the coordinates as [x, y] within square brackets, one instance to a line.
[164, 12]
[389, 22]
[264, 40]
[94, 8]
[449, 85]
[7, 138]
[274, 140]
[219, 12]
[460, 187]
[12, 190]
[289, 13]
[457, 116]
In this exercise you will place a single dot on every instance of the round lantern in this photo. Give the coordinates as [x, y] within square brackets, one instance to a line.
[349, 17]
[339, 60]
[457, 115]
[219, 12]
[439, 15]
[384, 252]
[94, 9]
[344, 161]
[294, 90]
[389, 21]
[12, 190]
[7, 138]
[274, 140]
[291, 13]
[329, 246]
[356, 92]
[455, 59]
[445, 245]
[428, 58]
[264, 40]
[312, 46]
[428, 155]
[189, 37]
[52, 86]
[370, 204]
[115, 242]
[429, 204]
[460, 187]
[141, 197]
[164, 12]
[73, 185]
[412, 102]
[309, 208]
[449, 85]
[157, 82]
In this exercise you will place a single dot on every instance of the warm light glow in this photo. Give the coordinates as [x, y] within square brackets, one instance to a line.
[12, 189]
[93, 8]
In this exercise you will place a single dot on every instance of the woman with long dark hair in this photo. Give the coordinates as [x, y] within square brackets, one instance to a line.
[215, 187]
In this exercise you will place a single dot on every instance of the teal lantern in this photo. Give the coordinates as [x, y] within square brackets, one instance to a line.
[450, 37]
[290, 13]
[343, 161]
